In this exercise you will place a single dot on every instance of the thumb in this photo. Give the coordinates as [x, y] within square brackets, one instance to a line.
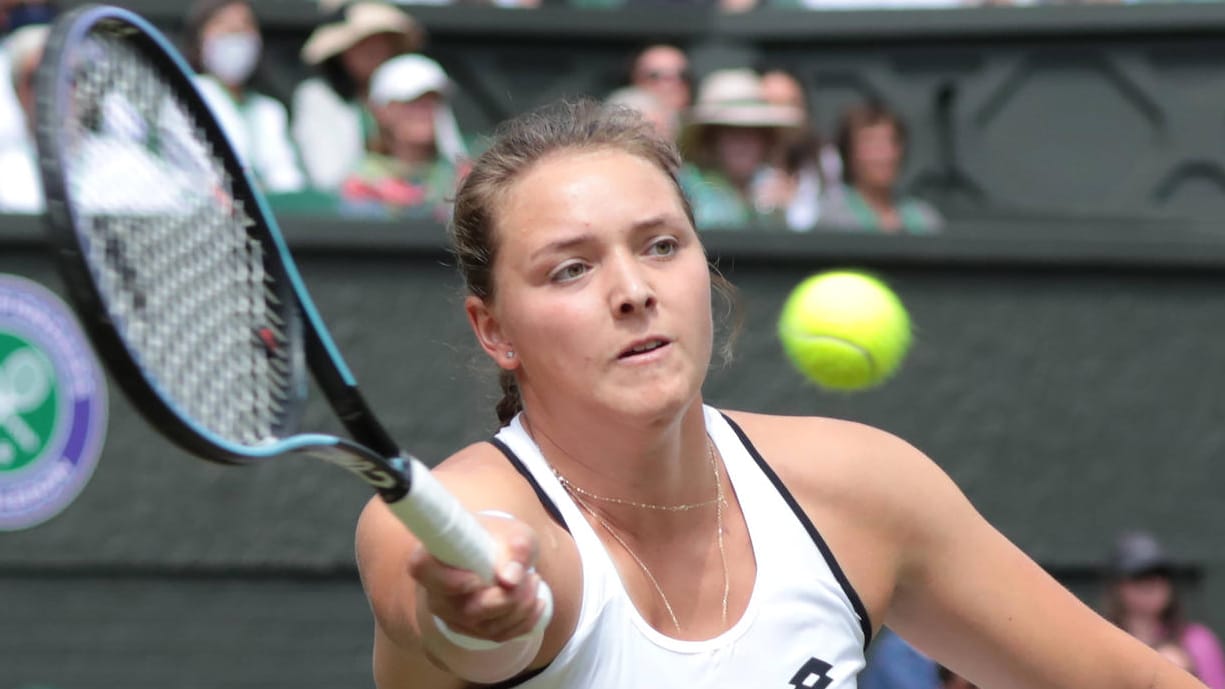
[517, 543]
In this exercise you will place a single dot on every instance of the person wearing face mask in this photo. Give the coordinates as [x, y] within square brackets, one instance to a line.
[223, 44]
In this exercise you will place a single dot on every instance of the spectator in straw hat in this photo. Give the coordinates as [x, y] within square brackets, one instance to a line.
[223, 43]
[420, 154]
[727, 141]
[332, 121]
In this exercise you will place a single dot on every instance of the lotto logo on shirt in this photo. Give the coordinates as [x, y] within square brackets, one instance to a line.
[52, 405]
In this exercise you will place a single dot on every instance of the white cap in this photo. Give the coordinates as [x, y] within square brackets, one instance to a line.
[407, 77]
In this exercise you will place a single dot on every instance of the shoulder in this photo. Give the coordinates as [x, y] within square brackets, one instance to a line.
[845, 473]
[824, 451]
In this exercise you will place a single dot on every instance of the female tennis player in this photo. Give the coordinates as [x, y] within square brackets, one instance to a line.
[685, 546]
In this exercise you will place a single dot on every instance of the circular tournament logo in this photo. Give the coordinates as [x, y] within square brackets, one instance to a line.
[52, 405]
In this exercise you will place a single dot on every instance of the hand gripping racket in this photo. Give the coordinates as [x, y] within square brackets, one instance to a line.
[185, 284]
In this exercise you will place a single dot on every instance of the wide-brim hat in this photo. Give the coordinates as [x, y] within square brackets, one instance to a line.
[353, 22]
[733, 98]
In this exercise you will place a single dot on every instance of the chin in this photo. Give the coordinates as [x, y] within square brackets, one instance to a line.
[661, 403]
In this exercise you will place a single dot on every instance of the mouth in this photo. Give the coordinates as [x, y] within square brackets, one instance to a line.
[643, 347]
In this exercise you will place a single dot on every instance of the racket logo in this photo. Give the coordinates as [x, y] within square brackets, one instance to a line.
[371, 471]
[52, 405]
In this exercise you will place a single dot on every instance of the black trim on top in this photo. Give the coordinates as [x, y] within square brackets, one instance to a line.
[513, 681]
[828, 554]
[551, 508]
[545, 500]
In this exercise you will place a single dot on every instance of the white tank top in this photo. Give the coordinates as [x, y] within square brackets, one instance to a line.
[804, 627]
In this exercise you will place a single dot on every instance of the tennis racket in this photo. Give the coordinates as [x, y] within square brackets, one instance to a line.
[185, 284]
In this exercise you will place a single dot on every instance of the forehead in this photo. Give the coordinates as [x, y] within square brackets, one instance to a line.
[661, 56]
[585, 191]
[234, 13]
[779, 87]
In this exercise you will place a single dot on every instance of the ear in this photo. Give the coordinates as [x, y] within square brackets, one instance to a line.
[489, 333]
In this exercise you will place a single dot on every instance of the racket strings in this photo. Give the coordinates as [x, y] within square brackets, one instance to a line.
[182, 277]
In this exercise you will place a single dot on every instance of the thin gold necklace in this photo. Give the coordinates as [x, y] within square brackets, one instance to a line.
[719, 501]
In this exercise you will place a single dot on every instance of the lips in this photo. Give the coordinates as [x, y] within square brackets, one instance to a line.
[643, 346]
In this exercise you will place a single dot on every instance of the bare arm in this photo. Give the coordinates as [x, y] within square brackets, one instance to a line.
[406, 588]
[929, 566]
[968, 597]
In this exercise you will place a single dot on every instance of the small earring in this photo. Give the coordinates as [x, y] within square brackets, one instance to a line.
[510, 354]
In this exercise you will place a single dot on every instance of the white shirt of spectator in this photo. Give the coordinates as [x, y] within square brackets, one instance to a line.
[21, 189]
[328, 132]
[259, 131]
[12, 121]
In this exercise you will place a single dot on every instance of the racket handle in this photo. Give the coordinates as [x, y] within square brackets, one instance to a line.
[443, 525]
[453, 535]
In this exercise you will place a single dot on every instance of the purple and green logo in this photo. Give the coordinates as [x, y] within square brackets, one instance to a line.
[52, 405]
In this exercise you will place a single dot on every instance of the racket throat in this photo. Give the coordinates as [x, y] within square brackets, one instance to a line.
[387, 476]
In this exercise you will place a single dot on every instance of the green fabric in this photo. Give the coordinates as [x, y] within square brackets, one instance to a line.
[914, 221]
[718, 205]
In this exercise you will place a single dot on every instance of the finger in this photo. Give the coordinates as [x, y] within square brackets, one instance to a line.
[440, 579]
[508, 616]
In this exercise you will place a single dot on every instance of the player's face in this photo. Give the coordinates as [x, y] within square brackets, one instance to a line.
[602, 288]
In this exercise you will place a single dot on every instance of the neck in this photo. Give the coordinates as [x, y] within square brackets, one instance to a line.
[1148, 629]
[667, 466]
[879, 198]
[412, 154]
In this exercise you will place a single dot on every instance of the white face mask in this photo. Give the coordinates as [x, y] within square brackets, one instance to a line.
[231, 57]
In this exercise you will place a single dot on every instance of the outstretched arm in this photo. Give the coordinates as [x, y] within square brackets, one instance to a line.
[968, 597]
[408, 590]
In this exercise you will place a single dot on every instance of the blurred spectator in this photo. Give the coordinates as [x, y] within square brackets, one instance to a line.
[1142, 599]
[799, 156]
[872, 144]
[662, 118]
[14, 15]
[332, 123]
[223, 43]
[727, 142]
[663, 70]
[420, 155]
[20, 185]
[895, 664]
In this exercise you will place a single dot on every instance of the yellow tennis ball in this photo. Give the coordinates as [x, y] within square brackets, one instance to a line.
[844, 330]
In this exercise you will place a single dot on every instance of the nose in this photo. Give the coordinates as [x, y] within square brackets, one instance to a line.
[631, 292]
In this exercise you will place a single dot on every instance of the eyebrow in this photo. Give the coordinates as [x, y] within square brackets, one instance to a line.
[579, 239]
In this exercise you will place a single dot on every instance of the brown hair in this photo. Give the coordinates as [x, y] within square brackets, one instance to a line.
[518, 145]
[859, 117]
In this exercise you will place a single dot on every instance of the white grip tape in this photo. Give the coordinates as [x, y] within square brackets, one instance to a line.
[447, 530]
[543, 593]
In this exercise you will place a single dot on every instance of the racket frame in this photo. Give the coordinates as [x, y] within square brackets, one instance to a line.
[306, 334]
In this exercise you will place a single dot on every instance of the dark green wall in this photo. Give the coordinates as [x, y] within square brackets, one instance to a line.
[1070, 383]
